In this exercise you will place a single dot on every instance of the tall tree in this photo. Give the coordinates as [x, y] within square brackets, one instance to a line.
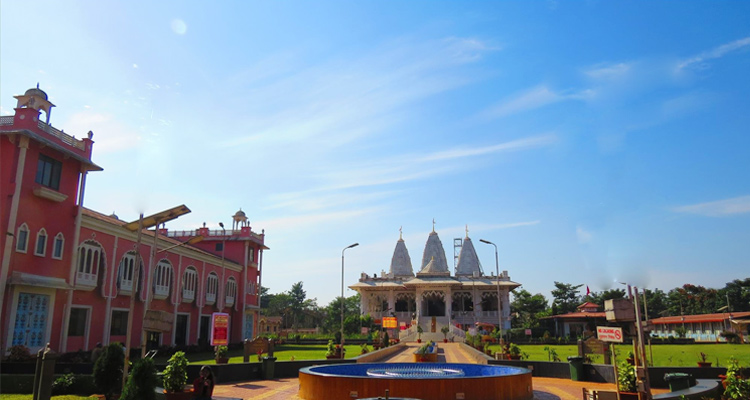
[528, 307]
[566, 297]
[332, 315]
[600, 298]
[737, 294]
[657, 303]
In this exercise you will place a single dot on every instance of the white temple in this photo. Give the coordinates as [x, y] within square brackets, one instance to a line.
[433, 298]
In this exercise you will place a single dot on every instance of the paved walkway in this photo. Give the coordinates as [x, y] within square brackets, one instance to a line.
[286, 389]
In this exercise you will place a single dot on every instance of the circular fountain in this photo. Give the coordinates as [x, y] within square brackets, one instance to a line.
[433, 381]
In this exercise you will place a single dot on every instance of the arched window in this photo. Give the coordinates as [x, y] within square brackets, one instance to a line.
[189, 284]
[90, 261]
[57, 246]
[22, 238]
[212, 287]
[40, 249]
[127, 274]
[162, 279]
[231, 292]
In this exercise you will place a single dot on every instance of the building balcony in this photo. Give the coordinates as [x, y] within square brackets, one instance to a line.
[188, 295]
[161, 292]
[210, 298]
[85, 281]
[229, 301]
[126, 287]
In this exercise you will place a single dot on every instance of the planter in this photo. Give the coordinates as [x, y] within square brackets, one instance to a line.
[419, 340]
[704, 364]
[184, 395]
[222, 360]
[514, 357]
[628, 396]
[445, 340]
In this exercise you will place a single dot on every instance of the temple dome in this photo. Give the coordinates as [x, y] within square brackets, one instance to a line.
[435, 254]
[401, 262]
[468, 261]
[36, 92]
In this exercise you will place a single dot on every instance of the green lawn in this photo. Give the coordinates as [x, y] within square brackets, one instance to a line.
[283, 352]
[665, 355]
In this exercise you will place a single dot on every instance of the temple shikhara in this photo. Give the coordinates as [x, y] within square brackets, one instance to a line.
[433, 298]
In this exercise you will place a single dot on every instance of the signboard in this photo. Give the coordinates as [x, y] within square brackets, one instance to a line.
[619, 310]
[528, 332]
[219, 329]
[364, 330]
[389, 322]
[156, 320]
[609, 334]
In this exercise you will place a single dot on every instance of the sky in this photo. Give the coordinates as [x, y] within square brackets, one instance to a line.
[592, 141]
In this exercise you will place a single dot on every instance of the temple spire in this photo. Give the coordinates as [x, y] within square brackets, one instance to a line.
[467, 230]
[433, 224]
[401, 233]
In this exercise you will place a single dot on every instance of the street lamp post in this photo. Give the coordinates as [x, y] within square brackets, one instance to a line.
[497, 272]
[342, 292]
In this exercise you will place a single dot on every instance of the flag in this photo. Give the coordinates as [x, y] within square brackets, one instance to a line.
[588, 292]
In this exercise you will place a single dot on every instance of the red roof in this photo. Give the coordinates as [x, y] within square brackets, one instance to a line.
[574, 315]
[718, 317]
[588, 304]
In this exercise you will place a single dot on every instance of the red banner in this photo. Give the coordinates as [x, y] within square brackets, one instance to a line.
[219, 329]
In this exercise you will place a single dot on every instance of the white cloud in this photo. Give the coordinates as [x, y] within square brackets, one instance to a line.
[608, 71]
[583, 235]
[531, 99]
[297, 222]
[699, 61]
[719, 208]
[520, 144]
[135, 65]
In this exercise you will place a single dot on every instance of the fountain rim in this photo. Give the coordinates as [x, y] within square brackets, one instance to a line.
[518, 371]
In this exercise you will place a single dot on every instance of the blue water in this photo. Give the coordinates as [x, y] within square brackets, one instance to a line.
[412, 370]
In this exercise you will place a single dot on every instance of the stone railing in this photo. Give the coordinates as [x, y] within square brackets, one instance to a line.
[6, 120]
[67, 139]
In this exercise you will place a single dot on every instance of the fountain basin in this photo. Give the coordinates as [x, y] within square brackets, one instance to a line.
[434, 381]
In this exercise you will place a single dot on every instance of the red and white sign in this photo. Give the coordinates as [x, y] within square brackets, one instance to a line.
[528, 332]
[609, 334]
[219, 329]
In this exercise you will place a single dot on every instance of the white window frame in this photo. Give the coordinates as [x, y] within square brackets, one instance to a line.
[41, 235]
[90, 258]
[25, 247]
[230, 291]
[162, 279]
[59, 238]
[127, 268]
[189, 284]
[212, 288]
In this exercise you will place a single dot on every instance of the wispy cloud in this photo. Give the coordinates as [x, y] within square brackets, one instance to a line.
[719, 208]
[531, 99]
[605, 71]
[520, 144]
[583, 235]
[300, 221]
[700, 61]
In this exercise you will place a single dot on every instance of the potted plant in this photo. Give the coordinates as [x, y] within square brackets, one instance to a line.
[222, 354]
[514, 352]
[702, 360]
[331, 350]
[419, 333]
[175, 377]
[626, 381]
[445, 329]
[631, 358]
[735, 387]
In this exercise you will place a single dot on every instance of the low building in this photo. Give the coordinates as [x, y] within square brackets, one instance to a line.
[704, 327]
[575, 324]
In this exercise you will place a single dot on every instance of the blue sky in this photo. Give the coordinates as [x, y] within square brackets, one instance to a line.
[592, 141]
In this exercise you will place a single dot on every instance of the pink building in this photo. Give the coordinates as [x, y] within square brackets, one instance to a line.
[67, 273]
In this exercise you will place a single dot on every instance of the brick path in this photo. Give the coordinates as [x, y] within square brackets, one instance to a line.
[286, 389]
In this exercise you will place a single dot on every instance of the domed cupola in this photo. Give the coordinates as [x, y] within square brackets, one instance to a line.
[36, 99]
[239, 220]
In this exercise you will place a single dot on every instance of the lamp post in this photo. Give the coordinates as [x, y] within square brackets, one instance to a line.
[342, 292]
[497, 272]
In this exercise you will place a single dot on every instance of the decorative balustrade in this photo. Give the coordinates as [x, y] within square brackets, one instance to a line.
[188, 295]
[6, 120]
[85, 281]
[229, 301]
[210, 298]
[67, 139]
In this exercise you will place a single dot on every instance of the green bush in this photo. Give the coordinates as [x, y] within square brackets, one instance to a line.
[175, 374]
[626, 380]
[64, 384]
[737, 388]
[108, 370]
[142, 381]
[19, 353]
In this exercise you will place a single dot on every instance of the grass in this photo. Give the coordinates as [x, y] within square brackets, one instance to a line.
[665, 355]
[283, 352]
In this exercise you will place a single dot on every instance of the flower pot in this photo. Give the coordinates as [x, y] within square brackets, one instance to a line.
[222, 360]
[419, 340]
[183, 395]
[704, 364]
[628, 396]
[445, 340]
[514, 357]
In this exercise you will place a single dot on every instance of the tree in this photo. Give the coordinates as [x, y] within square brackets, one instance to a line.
[142, 381]
[566, 297]
[656, 302]
[737, 294]
[264, 297]
[600, 298]
[332, 315]
[528, 307]
[108, 370]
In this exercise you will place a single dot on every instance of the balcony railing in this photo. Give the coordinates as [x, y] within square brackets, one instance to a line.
[85, 281]
[161, 292]
[6, 120]
[210, 298]
[67, 139]
[126, 287]
[188, 295]
[229, 301]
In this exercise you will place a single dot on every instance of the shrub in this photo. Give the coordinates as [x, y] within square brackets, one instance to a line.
[626, 381]
[331, 349]
[175, 374]
[108, 370]
[141, 384]
[681, 331]
[737, 388]
[731, 337]
[19, 353]
[221, 351]
[64, 384]
[386, 340]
